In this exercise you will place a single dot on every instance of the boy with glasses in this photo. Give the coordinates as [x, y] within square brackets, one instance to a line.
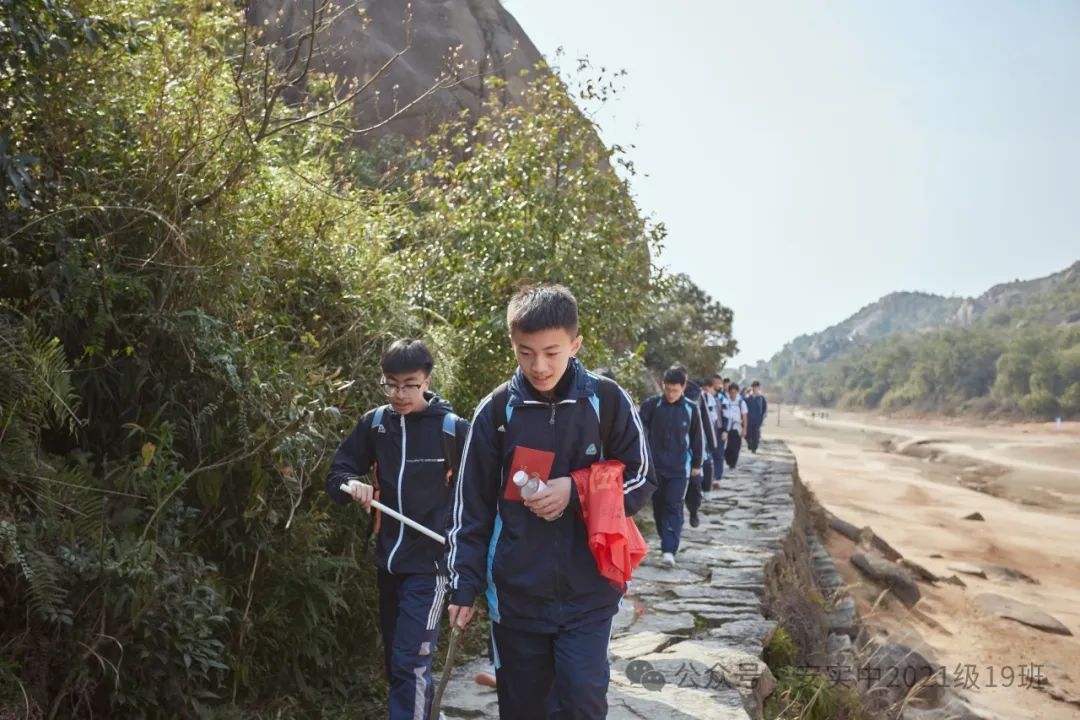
[411, 447]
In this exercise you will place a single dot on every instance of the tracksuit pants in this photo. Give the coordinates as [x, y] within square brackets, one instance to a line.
[667, 503]
[410, 608]
[753, 436]
[694, 489]
[731, 452]
[552, 676]
[718, 466]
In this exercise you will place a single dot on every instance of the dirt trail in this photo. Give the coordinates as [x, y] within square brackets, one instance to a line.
[912, 482]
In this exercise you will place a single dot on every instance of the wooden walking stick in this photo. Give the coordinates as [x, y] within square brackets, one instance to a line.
[436, 704]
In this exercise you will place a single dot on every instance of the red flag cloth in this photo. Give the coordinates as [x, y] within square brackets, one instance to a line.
[614, 539]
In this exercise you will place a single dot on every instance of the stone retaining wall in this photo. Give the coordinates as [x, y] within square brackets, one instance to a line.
[688, 642]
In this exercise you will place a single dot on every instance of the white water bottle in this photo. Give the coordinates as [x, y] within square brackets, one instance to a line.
[530, 483]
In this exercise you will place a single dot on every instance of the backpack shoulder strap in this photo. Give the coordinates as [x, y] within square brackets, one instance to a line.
[609, 393]
[373, 432]
[376, 419]
[451, 452]
[500, 401]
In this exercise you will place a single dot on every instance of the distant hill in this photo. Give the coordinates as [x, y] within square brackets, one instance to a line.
[1015, 348]
[899, 312]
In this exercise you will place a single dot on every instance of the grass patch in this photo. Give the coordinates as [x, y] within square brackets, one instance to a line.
[805, 694]
[781, 651]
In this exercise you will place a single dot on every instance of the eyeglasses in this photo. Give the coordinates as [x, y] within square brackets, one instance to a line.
[389, 388]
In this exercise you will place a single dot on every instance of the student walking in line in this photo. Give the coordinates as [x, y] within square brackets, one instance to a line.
[757, 408]
[411, 448]
[677, 443]
[715, 410]
[700, 484]
[735, 412]
[551, 609]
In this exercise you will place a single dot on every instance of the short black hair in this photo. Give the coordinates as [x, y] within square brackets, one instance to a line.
[406, 356]
[755, 384]
[605, 372]
[718, 376]
[542, 307]
[733, 386]
[675, 375]
[727, 380]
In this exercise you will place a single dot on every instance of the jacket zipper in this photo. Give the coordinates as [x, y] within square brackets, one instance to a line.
[554, 443]
[400, 501]
[558, 550]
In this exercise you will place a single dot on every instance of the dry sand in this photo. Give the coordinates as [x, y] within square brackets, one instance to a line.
[913, 482]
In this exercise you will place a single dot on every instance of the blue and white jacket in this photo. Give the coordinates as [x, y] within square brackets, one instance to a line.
[412, 475]
[698, 394]
[676, 435]
[539, 575]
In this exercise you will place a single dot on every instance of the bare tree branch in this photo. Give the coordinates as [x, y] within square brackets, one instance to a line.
[343, 101]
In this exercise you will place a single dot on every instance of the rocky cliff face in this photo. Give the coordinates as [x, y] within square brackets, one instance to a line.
[1018, 293]
[470, 39]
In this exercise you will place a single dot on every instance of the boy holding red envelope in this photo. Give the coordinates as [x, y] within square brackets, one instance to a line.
[550, 606]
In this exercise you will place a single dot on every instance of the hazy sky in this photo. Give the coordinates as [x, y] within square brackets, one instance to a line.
[808, 158]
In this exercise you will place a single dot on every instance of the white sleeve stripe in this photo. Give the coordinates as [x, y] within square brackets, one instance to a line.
[643, 468]
[704, 443]
[633, 485]
[459, 498]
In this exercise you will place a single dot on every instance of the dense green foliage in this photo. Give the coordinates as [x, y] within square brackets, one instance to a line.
[196, 281]
[1019, 360]
[688, 325]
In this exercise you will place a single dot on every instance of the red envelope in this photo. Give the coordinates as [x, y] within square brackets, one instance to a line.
[531, 461]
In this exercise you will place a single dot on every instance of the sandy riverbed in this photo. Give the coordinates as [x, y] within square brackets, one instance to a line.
[913, 482]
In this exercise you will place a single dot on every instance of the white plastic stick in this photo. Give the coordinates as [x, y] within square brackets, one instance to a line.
[401, 518]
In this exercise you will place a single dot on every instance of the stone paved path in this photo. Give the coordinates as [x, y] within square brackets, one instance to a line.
[697, 627]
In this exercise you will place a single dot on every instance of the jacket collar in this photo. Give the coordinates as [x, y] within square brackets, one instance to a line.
[579, 383]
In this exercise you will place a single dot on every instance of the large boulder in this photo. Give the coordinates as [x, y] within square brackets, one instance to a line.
[483, 38]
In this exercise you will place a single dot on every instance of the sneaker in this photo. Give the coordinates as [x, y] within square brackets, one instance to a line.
[694, 519]
[669, 559]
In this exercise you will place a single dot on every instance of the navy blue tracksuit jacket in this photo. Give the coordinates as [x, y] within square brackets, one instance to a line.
[408, 450]
[676, 435]
[540, 576]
